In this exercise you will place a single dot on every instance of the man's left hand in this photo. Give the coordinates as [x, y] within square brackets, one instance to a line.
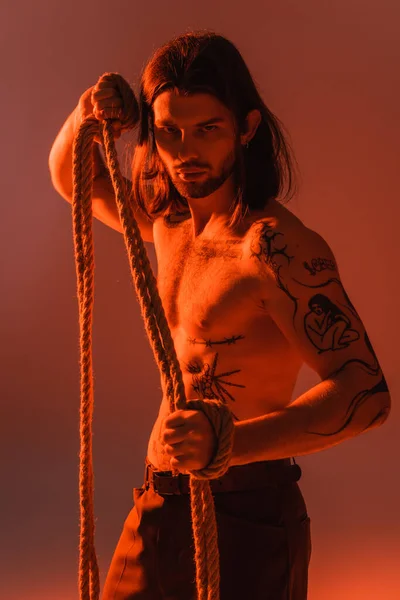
[189, 439]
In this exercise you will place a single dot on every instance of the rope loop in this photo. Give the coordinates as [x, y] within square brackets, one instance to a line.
[129, 115]
[220, 418]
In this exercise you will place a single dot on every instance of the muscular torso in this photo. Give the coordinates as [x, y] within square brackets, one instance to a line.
[216, 302]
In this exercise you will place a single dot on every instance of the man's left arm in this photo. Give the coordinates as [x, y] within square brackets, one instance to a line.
[305, 297]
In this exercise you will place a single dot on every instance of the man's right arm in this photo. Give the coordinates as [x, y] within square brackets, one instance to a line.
[103, 197]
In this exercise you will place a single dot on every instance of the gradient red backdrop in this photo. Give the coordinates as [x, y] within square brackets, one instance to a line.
[330, 71]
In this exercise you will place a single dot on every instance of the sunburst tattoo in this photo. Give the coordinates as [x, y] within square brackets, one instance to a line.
[207, 384]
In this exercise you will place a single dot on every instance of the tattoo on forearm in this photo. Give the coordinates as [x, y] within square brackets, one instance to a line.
[355, 405]
[362, 396]
[208, 384]
[319, 264]
[210, 343]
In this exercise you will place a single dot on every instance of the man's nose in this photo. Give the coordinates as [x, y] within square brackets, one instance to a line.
[187, 147]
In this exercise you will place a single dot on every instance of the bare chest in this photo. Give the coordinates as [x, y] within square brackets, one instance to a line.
[206, 284]
[228, 347]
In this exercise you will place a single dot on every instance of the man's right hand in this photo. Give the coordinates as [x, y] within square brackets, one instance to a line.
[103, 102]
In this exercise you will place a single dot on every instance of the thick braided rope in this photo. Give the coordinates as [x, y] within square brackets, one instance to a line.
[202, 505]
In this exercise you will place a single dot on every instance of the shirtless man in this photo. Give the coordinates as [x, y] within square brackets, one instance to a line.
[244, 307]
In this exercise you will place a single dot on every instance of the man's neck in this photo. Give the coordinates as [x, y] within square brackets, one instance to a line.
[204, 225]
[212, 211]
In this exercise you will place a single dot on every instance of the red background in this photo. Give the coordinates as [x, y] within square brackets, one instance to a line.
[330, 71]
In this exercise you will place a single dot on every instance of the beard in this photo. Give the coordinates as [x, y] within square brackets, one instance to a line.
[202, 189]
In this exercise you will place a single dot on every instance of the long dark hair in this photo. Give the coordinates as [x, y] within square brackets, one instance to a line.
[205, 62]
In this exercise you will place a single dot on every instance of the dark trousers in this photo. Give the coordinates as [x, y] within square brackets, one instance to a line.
[264, 540]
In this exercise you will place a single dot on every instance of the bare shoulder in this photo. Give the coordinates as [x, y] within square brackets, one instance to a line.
[280, 240]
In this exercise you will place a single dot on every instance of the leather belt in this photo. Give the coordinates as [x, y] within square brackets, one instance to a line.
[252, 476]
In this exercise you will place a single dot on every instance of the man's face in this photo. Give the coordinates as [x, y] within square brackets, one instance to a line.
[184, 139]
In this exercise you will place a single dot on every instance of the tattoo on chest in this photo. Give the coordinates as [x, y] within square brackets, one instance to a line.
[210, 343]
[172, 221]
[209, 384]
[319, 264]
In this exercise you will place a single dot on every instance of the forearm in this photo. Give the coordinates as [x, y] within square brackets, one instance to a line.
[60, 158]
[326, 415]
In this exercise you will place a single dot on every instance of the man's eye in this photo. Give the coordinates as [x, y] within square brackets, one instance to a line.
[174, 130]
[215, 127]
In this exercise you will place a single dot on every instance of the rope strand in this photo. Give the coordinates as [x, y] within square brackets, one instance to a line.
[157, 329]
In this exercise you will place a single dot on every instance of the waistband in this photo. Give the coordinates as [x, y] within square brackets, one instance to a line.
[252, 476]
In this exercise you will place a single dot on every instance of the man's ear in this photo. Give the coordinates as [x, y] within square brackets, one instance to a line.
[253, 120]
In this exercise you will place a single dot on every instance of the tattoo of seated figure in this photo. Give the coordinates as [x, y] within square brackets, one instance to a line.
[326, 326]
[319, 264]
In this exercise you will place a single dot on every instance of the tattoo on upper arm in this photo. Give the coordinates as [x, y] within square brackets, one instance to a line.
[333, 314]
[326, 325]
[335, 332]
[266, 248]
[319, 264]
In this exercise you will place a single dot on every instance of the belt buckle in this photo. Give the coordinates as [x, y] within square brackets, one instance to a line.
[153, 479]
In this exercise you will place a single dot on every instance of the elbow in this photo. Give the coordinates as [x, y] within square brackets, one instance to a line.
[53, 167]
[380, 417]
[62, 191]
[57, 179]
[385, 410]
[386, 407]
[386, 401]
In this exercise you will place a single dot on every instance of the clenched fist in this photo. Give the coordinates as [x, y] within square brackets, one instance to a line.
[103, 101]
[189, 439]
